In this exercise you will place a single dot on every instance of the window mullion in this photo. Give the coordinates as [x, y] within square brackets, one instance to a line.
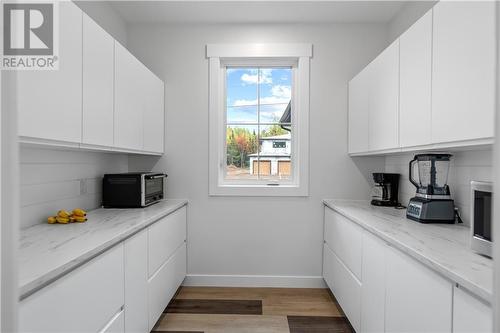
[258, 123]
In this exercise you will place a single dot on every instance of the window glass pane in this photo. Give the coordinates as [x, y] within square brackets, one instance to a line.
[275, 93]
[273, 113]
[241, 95]
[241, 150]
[275, 153]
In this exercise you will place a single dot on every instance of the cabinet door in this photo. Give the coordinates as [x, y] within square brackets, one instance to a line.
[129, 100]
[136, 283]
[373, 284]
[358, 111]
[154, 113]
[463, 71]
[98, 62]
[415, 83]
[470, 315]
[50, 102]
[417, 299]
[384, 100]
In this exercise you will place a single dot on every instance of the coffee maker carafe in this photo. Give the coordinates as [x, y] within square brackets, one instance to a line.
[432, 202]
[385, 190]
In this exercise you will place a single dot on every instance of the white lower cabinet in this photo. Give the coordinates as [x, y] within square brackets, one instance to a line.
[85, 300]
[470, 315]
[395, 292]
[163, 285]
[417, 299]
[373, 286]
[114, 292]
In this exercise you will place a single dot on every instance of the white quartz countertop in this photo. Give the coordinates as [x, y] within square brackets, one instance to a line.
[49, 251]
[442, 247]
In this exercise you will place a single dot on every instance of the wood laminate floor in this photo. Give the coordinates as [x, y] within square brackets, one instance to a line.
[253, 310]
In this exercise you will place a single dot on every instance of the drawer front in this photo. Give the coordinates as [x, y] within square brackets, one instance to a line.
[345, 238]
[344, 286]
[116, 325]
[165, 236]
[164, 284]
[85, 300]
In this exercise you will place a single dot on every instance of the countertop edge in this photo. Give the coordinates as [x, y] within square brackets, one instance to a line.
[478, 291]
[32, 287]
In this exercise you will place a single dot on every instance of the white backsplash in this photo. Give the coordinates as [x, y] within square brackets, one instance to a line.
[464, 167]
[62, 179]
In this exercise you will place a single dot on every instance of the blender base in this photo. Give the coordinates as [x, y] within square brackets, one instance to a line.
[431, 210]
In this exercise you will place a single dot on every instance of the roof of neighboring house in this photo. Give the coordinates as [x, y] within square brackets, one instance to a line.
[287, 136]
[286, 118]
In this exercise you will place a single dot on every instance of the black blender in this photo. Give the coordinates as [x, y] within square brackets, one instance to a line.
[432, 202]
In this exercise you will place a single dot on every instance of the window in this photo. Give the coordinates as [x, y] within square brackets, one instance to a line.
[259, 100]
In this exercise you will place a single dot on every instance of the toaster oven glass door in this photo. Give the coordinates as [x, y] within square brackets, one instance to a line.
[154, 186]
[482, 214]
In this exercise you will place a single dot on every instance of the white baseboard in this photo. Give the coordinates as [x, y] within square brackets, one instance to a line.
[201, 280]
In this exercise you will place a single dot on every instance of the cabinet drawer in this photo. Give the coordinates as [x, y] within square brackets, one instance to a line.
[85, 300]
[116, 325]
[165, 236]
[344, 285]
[163, 285]
[344, 237]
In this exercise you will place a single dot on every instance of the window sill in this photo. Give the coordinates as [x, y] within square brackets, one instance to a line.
[260, 191]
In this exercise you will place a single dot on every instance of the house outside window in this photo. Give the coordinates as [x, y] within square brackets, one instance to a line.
[259, 105]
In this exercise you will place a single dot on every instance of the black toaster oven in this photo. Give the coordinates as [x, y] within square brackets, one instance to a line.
[133, 189]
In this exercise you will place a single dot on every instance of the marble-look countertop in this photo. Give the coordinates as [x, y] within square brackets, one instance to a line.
[49, 251]
[442, 247]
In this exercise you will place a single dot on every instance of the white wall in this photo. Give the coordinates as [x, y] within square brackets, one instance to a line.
[52, 180]
[464, 167]
[106, 17]
[257, 236]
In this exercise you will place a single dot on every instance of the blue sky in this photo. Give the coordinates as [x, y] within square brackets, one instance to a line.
[275, 92]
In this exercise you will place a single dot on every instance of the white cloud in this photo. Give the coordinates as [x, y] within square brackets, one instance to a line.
[253, 77]
[281, 91]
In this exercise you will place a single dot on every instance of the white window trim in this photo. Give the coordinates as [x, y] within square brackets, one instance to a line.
[220, 55]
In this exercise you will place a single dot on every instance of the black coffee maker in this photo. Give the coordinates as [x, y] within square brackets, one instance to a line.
[385, 190]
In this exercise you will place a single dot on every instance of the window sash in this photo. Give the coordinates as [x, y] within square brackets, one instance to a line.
[259, 64]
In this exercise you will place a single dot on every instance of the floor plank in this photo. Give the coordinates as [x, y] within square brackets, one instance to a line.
[311, 324]
[210, 323]
[275, 301]
[213, 306]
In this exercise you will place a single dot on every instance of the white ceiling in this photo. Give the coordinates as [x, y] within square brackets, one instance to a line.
[277, 11]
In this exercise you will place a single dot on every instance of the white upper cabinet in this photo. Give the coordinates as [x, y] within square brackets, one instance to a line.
[129, 100]
[50, 101]
[384, 100]
[415, 83]
[98, 60]
[154, 114]
[463, 71]
[359, 95]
